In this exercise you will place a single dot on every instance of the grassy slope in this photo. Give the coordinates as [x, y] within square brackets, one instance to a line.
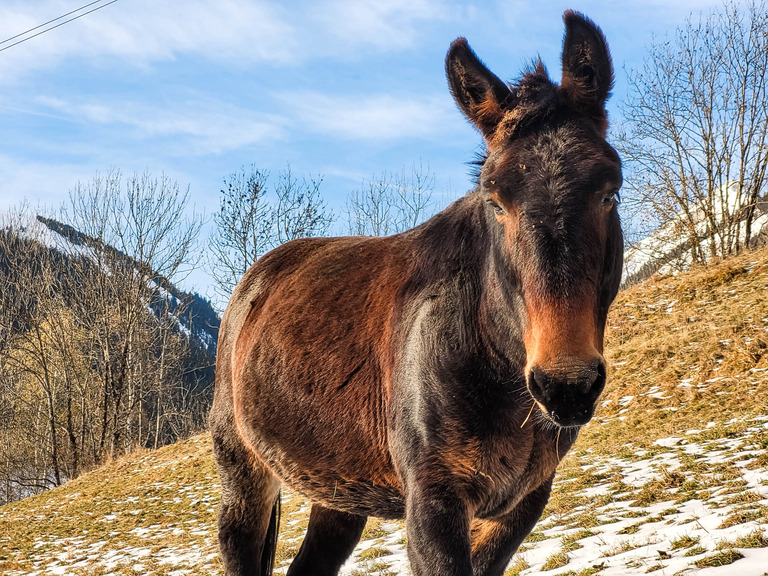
[688, 353]
[137, 510]
[685, 351]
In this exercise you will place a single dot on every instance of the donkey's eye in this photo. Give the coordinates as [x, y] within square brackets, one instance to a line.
[611, 199]
[496, 208]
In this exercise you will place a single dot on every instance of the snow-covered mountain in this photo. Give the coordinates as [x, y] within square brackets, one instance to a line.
[193, 314]
[668, 250]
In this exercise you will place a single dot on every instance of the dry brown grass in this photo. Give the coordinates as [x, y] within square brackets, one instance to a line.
[719, 559]
[699, 340]
[171, 493]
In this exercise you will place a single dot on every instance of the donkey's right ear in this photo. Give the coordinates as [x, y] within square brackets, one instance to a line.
[480, 94]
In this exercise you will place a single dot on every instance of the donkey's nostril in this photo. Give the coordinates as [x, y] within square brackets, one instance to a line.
[589, 379]
[537, 382]
[598, 383]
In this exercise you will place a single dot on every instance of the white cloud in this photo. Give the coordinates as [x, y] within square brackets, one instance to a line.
[145, 31]
[140, 33]
[202, 127]
[389, 25]
[377, 117]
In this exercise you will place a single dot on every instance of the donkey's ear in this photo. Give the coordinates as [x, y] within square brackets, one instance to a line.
[479, 92]
[587, 69]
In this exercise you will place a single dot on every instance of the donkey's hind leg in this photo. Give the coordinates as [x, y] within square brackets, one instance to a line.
[249, 513]
[331, 537]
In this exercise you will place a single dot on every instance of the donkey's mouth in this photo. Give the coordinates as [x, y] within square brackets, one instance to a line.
[567, 403]
[567, 417]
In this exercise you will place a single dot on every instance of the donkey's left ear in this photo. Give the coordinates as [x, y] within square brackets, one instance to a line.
[587, 69]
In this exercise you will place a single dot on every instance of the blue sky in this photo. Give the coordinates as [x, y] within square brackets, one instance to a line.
[340, 88]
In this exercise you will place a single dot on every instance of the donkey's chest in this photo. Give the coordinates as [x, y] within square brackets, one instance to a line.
[507, 473]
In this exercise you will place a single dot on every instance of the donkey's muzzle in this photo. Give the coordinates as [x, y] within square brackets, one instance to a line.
[568, 396]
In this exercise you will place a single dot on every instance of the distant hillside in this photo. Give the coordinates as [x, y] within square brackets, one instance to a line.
[668, 248]
[198, 317]
[671, 477]
[99, 353]
[193, 314]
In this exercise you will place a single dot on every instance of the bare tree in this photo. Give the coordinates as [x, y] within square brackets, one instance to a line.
[253, 219]
[299, 210]
[94, 357]
[29, 356]
[390, 203]
[140, 240]
[695, 131]
[369, 209]
[41, 359]
[242, 228]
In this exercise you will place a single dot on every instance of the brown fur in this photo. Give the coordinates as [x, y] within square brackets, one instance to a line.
[440, 374]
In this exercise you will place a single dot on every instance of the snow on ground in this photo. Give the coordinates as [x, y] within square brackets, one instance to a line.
[692, 502]
[682, 526]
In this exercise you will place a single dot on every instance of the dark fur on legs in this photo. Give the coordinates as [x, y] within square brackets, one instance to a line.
[331, 537]
[494, 542]
[249, 514]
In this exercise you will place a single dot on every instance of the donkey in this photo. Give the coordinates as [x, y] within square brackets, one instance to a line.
[441, 374]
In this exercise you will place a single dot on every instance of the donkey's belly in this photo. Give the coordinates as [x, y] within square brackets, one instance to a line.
[331, 489]
[355, 497]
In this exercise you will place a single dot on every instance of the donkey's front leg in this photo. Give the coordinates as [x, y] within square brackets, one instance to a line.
[437, 524]
[495, 541]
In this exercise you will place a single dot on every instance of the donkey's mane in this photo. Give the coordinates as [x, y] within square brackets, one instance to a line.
[534, 99]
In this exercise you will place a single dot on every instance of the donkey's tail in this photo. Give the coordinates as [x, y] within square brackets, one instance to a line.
[270, 540]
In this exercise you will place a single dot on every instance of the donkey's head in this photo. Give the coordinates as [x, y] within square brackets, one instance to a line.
[551, 181]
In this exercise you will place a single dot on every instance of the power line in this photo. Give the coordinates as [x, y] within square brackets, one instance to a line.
[49, 21]
[53, 27]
